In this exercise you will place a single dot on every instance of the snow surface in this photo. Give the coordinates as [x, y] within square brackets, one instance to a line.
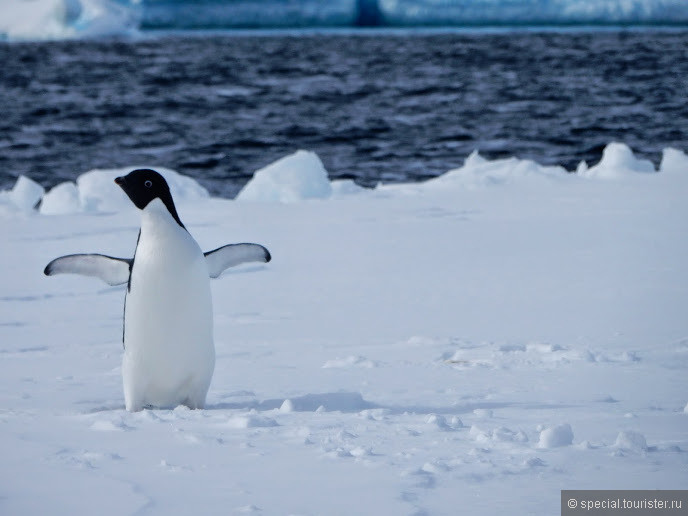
[473, 344]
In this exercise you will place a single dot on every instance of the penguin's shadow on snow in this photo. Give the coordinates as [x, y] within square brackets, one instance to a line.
[348, 402]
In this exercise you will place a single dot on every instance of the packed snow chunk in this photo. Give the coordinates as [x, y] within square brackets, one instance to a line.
[287, 406]
[480, 172]
[556, 436]
[674, 162]
[617, 161]
[437, 421]
[629, 440]
[292, 178]
[24, 195]
[61, 199]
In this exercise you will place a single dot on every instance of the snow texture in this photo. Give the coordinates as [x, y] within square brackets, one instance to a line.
[460, 345]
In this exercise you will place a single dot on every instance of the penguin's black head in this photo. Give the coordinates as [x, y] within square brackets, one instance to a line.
[143, 185]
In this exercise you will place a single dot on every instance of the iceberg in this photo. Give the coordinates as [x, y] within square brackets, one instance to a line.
[532, 12]
[292, 178]
[68, 19]
[217, 14]
[63, 19]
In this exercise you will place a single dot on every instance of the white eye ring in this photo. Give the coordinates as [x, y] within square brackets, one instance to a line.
[148, 183]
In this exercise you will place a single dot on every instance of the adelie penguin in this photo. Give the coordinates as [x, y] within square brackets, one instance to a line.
[169, 355]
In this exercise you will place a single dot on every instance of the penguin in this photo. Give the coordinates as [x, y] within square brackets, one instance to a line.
[169, 354]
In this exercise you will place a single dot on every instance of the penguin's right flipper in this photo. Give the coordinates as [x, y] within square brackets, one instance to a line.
[113, 271]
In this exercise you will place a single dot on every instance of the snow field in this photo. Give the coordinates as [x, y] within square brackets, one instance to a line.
[473, 343]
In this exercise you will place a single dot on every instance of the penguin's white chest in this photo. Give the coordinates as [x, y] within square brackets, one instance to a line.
[169, 354]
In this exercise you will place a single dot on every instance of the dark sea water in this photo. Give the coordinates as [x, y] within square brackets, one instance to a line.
[379, 106]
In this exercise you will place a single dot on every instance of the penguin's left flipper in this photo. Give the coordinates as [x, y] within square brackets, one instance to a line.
[113, 271]
[234, 254]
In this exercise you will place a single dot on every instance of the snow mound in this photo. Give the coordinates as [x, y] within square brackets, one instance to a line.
[479, 172]
[292, 178]
[24, 195]
[440, 422]
[617, 161]
[673, 162]
[632, 441]
[96, 191]
[556, 436]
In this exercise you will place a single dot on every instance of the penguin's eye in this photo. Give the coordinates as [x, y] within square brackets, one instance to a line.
[148, 183]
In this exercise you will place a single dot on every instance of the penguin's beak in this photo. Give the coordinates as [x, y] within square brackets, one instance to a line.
[120, 180]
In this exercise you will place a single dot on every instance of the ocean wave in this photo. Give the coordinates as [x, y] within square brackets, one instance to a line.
[70, 19]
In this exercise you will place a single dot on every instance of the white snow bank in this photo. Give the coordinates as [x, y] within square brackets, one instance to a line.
[617, 161]
[292, 178]
[96, 191]
[556, 436]
[24, 196]
[302, 176]
[64, 19]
